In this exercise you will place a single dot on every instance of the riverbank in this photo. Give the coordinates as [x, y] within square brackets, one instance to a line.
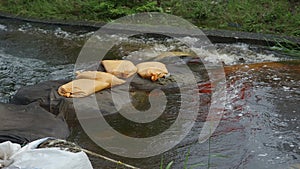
[280, 17]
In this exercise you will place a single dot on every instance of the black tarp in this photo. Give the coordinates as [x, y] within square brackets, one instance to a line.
[25, 123]
[38, 93]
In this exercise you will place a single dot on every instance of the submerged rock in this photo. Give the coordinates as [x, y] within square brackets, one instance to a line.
[135, 96]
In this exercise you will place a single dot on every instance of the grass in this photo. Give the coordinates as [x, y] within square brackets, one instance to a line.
[287, 47]
[193, 166]
[162, 164]
[263, 16]
[86, 10]
[277, 16]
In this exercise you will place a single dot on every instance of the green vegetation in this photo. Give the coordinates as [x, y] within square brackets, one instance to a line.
[162, 163]
[87, 10]
[261, 16]
[276, 16]
[287, 47]
[185, 165]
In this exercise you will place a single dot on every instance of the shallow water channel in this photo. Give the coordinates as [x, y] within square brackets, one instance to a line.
[259, 129]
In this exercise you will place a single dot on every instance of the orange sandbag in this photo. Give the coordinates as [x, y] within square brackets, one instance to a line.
[119, 68]
[152, 70]
[82, 87]
[100, 76]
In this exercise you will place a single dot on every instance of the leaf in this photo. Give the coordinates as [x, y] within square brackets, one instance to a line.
[169, 165]
[186, 158]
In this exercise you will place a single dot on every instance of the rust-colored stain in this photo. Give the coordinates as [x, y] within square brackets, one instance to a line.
[291, 65]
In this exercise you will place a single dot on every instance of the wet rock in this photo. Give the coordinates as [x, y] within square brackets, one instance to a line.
[134, 92]
[179, 75]
[138, 83]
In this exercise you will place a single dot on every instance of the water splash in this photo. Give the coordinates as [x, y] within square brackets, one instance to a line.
[16, 72]
[3, 27]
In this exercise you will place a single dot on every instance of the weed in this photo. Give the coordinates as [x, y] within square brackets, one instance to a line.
[162, 163]
[287, 47]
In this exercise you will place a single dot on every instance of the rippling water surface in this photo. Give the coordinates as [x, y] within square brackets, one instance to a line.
[260, 127]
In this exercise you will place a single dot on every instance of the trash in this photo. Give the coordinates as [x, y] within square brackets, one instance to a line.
[82, 87]
[100, 76]
[7, 149]
[119, 68]
[32, 156]
[152, 70]
[72, 147]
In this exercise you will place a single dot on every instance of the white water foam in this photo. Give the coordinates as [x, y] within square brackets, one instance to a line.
[57, 32]
[16, 72]
[3, 27]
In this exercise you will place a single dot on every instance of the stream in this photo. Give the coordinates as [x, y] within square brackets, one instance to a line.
[259, 129]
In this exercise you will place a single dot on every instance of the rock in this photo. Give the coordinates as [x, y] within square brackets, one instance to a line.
[179, 75]
[134, 92]
[45, 94]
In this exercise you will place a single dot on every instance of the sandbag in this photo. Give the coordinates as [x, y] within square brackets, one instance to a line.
[119, 68]
[152, 70]
[82, 87]
[100, 76]
[24, 123]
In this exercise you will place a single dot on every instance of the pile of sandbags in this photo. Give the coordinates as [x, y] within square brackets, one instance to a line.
[89, 82]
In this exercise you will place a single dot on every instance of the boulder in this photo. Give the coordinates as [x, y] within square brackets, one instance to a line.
[135, 91]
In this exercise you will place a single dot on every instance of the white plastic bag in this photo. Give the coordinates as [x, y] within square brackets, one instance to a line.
[29, 157]
[7, 149]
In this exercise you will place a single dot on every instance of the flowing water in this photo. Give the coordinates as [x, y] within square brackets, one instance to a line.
[260, 127]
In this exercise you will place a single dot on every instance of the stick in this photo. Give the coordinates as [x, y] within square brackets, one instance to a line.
[107, 158]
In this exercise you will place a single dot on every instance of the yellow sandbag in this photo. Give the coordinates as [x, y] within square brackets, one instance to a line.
[119, 68]
[152, 70]
[82, 87]
[101, 76]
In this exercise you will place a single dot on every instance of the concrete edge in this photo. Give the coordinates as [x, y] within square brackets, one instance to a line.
[215, 36]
